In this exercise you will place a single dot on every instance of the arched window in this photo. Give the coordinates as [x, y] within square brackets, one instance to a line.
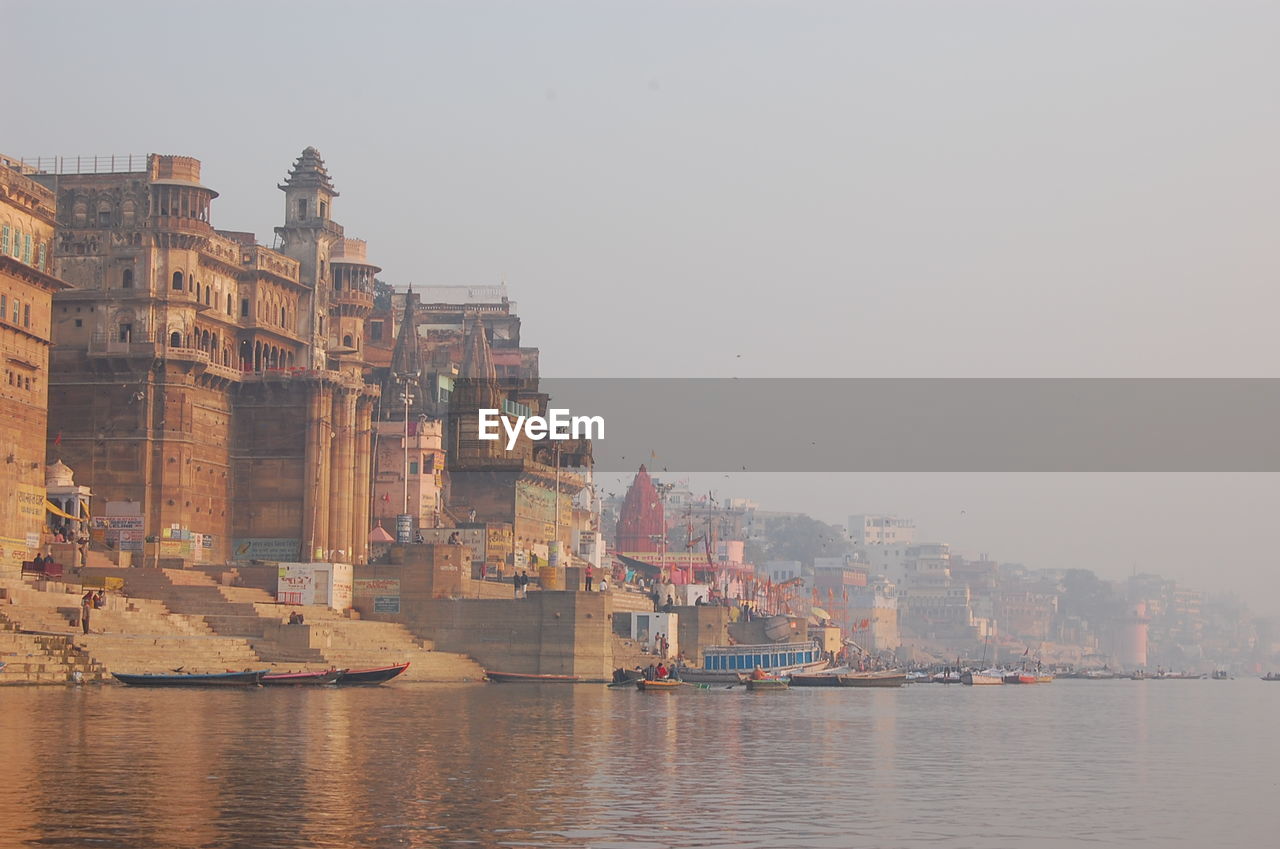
[177, 281]
[175, 339]
[126, 278]
[346, 341]
[208, 293]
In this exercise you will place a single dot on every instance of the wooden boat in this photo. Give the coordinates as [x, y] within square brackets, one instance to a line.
[528, 678]
[766, 684]
[1044, 679]
[302, 679]
[661, 684]
[986, 676]
[376, 675]
[1270, 676]
[885, 678]
[1021, 677]
[247, 678]
[825, 678]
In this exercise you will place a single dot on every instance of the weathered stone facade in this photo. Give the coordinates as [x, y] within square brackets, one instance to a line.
[26, 288]
[215, 382]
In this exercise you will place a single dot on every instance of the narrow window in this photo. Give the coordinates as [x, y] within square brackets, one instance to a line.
[26, 315]
[175, 340]
[244, 307]
[413, 467]
[79, 323]
[302, 208]
[324, 209]
[177, 281]
[228, 304]
[126, 332]
[126, 279]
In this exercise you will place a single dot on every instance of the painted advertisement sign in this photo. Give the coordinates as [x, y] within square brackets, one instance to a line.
[385, 593]
[326, 584]
[266, 548]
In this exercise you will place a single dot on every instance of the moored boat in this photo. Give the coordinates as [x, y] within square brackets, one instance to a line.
[821, 678]
[246, 678]
[723, 664]
[302, 679]
[986, 676]
[884, 678]
[376, 675]
[1021, 676]
[528, 678]
[661, 684]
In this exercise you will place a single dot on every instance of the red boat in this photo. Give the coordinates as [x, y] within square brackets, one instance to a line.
[1021, 677]
[527, 678]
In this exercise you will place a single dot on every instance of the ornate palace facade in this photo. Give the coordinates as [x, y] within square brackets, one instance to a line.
[211, 385]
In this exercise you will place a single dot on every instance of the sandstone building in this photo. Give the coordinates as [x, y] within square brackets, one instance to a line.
[26, 289]
[213, 386]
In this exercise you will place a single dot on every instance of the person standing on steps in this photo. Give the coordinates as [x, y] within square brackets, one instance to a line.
[86, 605]
[590, 573]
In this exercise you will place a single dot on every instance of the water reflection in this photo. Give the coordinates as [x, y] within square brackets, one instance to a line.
[410, 766]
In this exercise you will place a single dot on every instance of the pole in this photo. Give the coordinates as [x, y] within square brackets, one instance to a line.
[406, 448]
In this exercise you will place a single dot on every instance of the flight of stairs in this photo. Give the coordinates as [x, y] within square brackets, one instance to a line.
[135, 635]
[43, 659]
[334, 639]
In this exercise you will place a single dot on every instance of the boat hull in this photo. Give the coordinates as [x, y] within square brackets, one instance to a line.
[251, 678]
[529, 678]
[302, 679]
[974, 679]
[873, 679]
[762, 685]
[369, 677]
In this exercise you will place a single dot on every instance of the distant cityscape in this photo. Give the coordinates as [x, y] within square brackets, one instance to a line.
[893, 591]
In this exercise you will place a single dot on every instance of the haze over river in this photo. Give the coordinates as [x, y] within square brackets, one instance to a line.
[1107, 763]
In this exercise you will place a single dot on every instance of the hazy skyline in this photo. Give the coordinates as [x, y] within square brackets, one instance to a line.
[768, 189]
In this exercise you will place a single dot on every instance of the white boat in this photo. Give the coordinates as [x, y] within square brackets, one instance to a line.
[986, 676]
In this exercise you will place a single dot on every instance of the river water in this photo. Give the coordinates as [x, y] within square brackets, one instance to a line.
[1073, 763]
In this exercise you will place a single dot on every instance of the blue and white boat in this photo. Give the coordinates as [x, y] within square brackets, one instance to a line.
[724, 664]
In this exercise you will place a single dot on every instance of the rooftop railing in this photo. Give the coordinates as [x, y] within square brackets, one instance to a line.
[111, 163]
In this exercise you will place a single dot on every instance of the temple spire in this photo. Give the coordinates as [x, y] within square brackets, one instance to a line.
[309, 170]
[405, 360]
[478, 362]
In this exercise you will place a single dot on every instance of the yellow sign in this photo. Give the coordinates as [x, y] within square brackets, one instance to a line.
[31, 503]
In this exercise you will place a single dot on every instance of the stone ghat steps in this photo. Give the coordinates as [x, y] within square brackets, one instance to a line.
[328, 637]
[43, 659]
[149, 653]
[628, 654]
[59, 610]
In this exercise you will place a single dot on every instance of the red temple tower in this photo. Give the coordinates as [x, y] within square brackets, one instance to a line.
[641, 525]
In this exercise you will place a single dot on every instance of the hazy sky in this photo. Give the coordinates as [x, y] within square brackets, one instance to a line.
[769, 189]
